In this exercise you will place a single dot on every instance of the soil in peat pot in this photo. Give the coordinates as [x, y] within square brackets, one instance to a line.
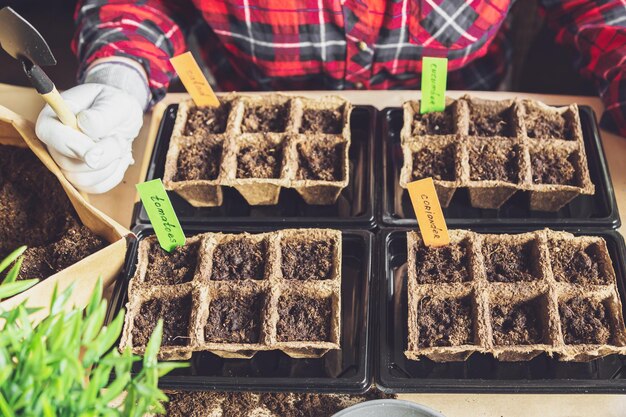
[436, 163]
[36, 212]
[172, 268]
[302, 260]
[239, 259]
[554, 167]
[576, 265]
[488, 163]
[443, 264]
[444, 322]
[207, 120]
[303, 318]
[319, 162]
[199, 161]
[486, 122]
[175, 312]
[584, 322]
[517, 324]
[235, 318]
[435, 123]
[507, 262]
[546, 125]
[322, 121]
[260, 161]
[265, 118]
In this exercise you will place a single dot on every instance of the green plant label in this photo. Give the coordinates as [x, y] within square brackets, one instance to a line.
[434, 77]
[161, 214]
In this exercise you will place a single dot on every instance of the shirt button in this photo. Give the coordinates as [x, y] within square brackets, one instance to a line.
[362, 46]
[358, 85]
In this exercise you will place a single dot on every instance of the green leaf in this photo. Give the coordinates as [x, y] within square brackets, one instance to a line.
[11, 258]
[13, 288]
[152, 348]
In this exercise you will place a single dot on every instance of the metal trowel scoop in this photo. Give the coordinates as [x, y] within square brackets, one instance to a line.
[24, 43]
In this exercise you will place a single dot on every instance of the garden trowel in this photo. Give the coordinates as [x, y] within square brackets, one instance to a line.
[24, 43]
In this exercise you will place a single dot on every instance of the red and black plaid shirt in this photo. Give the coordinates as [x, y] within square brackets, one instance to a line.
[346, 44]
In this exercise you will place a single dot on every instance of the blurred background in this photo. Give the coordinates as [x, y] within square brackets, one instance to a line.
[538, 64]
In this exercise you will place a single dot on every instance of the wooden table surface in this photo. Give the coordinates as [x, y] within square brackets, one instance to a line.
[118, 204]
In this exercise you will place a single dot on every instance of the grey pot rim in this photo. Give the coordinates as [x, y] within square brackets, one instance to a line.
[403, 404]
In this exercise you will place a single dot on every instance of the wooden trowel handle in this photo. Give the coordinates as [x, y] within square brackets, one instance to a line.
[50, 94]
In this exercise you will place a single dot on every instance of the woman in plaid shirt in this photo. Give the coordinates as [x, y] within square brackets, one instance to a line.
[124, 49]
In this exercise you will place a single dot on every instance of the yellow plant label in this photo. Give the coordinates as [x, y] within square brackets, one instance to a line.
[428, 212]
[194, 80]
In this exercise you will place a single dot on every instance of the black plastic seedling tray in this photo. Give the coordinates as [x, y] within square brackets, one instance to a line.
[354, 207]
[347, 370]
[481, 373]
[598, 210]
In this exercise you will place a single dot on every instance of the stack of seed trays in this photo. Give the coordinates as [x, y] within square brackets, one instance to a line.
[514, 297]
[258, 145]
[495, 149]
[236, 294]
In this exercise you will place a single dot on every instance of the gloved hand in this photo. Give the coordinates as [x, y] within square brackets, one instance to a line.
[95, 158]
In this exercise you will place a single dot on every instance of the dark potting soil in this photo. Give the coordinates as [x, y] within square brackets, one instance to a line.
[443, 264]
[207, 120]
[262, 161]
[322, 121]
[486, 121]
[435, 163]
[486, 164]
[546, 125]
[307, 260]
[436, 123]
[265, 118]
[235, 318]
[320, 162]
[517, 324]
[576, 265]
[199, 161]
[584, 322]
[554, 168]
[173, 268]
[36, 212]
[302, 318]
[444, 322]
[505, 262]
[176, 314]
[239, 259]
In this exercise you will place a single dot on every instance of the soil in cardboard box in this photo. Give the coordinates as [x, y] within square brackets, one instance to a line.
[509, 262]
[175, 312]
[576, 265]
[443, 264]
[304, 260]
[319, 162]
[239, 259]
[303, 318]
[172, 268]
[488, 163]
[584, 322]
[265, 118]
[207, 120]
[541, 124]
[486, 121]
[36, 212]
[260, 161]
[322, 121]
[199, 161]
[554, 168]
[518, 324]
[235, 318]
[436, 123]
[444, 322]
[435, 163]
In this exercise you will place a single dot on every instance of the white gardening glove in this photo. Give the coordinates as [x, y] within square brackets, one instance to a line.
[95, 158]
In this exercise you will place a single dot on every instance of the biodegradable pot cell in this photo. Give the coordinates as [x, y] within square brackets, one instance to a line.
[259, 145]
[502, 147]
[516, 296]
[106, 263]
[244, 293]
